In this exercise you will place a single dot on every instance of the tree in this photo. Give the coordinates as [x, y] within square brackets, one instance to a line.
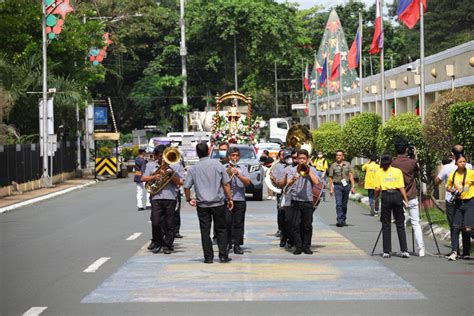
[329, 139]
[461, 116]
[360, 134]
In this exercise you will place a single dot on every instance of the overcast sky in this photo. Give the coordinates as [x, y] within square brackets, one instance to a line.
[306, 4]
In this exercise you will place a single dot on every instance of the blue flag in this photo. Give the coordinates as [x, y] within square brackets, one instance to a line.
[324, 72]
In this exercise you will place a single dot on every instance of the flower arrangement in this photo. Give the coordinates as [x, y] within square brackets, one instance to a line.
[221, 131]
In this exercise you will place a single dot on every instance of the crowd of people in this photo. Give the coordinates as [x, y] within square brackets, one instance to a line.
[219, 197]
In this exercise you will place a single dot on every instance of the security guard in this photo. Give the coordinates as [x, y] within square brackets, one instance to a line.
[302, 202]
[239, 181]
[389, 181]
[163, 204]
[340, 174]
[211, 185]
[140, 166]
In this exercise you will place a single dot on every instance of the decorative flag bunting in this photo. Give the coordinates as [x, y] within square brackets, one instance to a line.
[408, 11]
[96, 56]
[324, 72]
[54, 9]
[377, 40]
[354, 52]
[335, 64]
[307, 79]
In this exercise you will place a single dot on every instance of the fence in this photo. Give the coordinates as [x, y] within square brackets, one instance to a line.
[22, 162]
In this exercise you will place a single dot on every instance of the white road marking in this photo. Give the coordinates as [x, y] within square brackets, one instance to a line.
[35, 311]
[134, 236]
[96, 265]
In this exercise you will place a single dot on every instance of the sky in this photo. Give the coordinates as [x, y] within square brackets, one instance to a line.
[306, 4]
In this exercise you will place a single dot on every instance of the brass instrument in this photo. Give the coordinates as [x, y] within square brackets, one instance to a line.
[171, 156]
[299, 137]
[301, 171]
[268, 179]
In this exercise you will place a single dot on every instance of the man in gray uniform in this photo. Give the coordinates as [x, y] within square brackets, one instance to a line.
[240, 179]
[163, 204]
[277, 175]
[211, 185]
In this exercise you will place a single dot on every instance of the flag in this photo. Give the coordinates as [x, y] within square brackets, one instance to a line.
[417, 107]
[318, 68]
[336, 62]
[354, 52]
[324, 72]
[307, 79]
[377, 40]
[408, 11]
[393, 108]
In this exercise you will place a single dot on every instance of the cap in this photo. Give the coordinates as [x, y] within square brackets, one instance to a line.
[286, 154]
[141, 149]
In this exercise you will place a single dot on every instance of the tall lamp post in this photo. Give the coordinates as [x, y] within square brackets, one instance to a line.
[46, 179]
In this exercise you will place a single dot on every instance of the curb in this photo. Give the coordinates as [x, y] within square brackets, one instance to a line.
[440, 232]
[44, 197]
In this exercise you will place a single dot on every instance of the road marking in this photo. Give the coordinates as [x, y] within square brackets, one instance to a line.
[96, 265]
[35, 311]
[134, 236]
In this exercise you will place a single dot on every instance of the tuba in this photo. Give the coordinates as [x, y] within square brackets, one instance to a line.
[299, 137]
[171, 156]
[268, 179]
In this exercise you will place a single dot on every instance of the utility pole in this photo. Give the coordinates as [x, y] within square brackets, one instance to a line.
[422, 63]
[46, 180]
[235, 64]
[276, 90]
[184, 72]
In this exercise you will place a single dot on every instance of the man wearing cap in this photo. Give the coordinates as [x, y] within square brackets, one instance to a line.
[163, 204]
[140, 165]
[212, 187]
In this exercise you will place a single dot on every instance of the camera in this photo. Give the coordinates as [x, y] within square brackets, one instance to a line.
[454, 196]
[411, 151]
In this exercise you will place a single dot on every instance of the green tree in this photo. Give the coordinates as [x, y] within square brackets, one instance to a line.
[461, 116]
[329, 139]
[360, 134]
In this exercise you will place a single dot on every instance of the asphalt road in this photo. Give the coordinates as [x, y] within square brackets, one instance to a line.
[46, 247]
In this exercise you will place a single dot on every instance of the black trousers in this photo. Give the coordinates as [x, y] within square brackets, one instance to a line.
[280, 215]
[177, 214]
[287, 233]
[466, 238]
[462, 218]
[392, 202]
[162, 221]
[236, 229]
[206, 216]
[303, 223]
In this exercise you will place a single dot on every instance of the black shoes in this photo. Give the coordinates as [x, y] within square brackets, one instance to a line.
[278, 234]
[152, 245]
[148, 207]
[157, 249]
[225, 259]
[238, 250]
[141, 209]
[339, 224]
[297, 251]
[167, 251]
[208, 260]
[308, 251]
[282, 243]
[178, 235]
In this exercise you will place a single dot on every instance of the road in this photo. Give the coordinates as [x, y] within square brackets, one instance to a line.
[84, 253]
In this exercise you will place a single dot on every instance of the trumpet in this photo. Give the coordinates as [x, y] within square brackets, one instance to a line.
[170, 156]
[301, 171]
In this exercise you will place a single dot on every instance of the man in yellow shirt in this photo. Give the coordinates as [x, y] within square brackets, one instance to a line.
[389, 181]
[321, 166]
[370, 168]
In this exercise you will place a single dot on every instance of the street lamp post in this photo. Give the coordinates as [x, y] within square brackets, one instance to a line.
[46, 179]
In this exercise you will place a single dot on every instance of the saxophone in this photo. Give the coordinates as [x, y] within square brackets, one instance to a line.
[171, 156]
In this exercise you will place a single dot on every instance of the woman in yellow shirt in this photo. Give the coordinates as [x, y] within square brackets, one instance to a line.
[461, 185]
[370, 168]
[389, 180]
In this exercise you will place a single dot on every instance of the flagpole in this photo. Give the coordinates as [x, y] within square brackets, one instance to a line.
[327, 84]
[382, 68]
[317, 83]
[361, 75]
[341, 118]
[422, 64]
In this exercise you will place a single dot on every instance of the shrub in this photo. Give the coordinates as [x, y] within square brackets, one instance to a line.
[328, 138]
[105, 152]
[126, 153]
[437, 128]
[360, 134]
[461, 117]
[135, 151]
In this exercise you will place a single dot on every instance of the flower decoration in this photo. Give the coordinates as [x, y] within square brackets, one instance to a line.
[221, 132]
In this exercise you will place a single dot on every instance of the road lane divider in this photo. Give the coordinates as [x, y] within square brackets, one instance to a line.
[96, 265]
[134, 236]
[35, 311]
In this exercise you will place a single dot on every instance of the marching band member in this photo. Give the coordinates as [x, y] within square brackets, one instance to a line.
[163, 204]
[140, 166]
[239, 180]
[277, 174]
[211, 185]
[301, 186]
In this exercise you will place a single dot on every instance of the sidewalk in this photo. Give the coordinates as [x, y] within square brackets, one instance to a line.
[12, 202]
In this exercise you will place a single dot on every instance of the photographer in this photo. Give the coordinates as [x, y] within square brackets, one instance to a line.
[443, 176]
[407, 163]
[461, 186]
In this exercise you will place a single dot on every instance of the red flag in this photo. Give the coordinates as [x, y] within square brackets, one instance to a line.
[335, 64]
[377, 40]
[318, 68]
[307, 86]
[354, 52]
[408, 11]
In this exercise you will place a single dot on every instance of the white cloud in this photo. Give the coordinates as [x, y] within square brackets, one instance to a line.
[306, 4]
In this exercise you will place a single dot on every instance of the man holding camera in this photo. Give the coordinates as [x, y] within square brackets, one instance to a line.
[407, 163]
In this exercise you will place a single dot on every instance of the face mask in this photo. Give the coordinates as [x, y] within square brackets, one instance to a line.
[320, 156]
[289, 161]
[222, 154]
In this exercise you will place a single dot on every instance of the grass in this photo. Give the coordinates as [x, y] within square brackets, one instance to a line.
[437, 217]
[361, 190]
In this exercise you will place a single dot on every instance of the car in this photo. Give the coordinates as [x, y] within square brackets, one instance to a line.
[248, 157]
[273, 149]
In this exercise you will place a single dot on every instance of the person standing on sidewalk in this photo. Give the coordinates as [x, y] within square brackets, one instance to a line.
[140, 166]
[461, 187]
[410, 169]
[239, 180]
[370, 168]
[212, 186]
[341, 183]
[321, 165]
[443, 176]
[389, 181]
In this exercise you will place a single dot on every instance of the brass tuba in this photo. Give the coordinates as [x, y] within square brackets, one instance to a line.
[299, 137]
[171, 156]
